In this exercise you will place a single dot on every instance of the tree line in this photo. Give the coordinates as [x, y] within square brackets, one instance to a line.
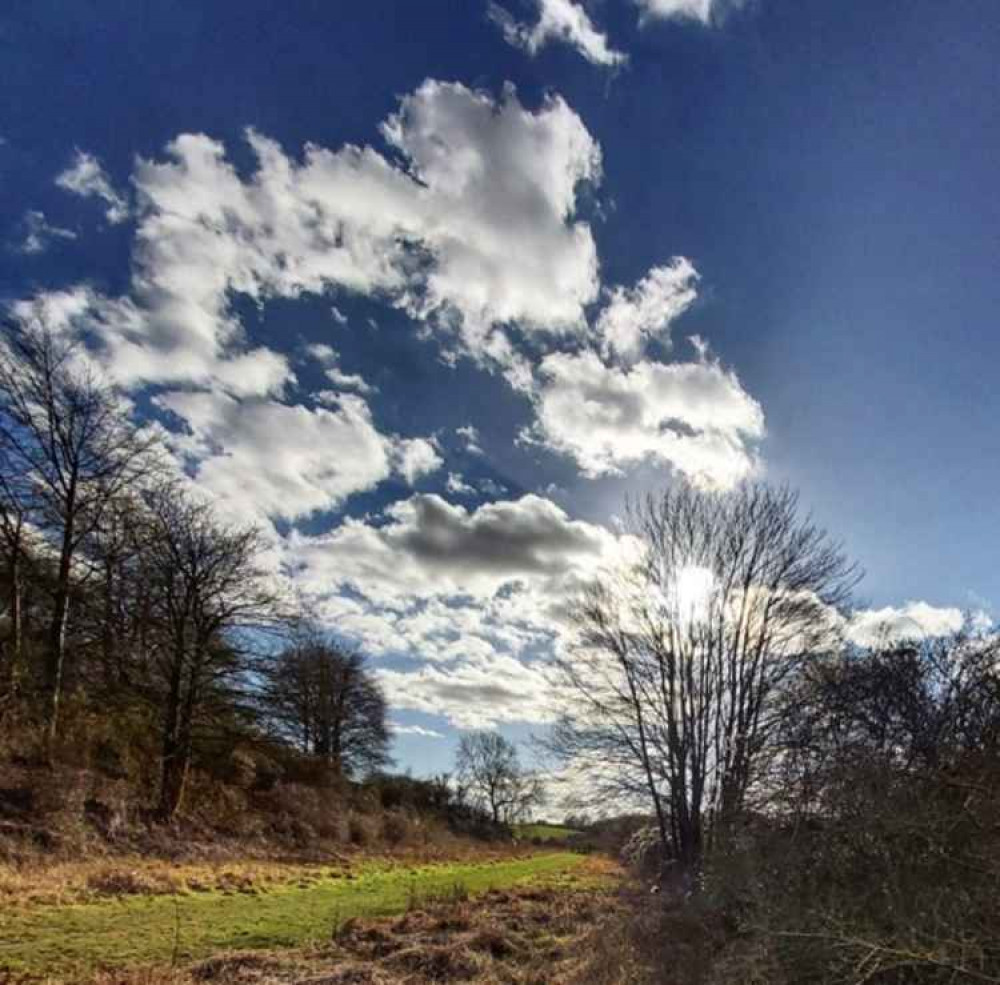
[130, 598]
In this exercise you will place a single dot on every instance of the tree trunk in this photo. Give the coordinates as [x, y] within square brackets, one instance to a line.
[15, 653]
[172, 767]
[109, 649]
[56, 657]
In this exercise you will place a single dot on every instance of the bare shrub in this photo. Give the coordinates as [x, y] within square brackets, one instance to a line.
[396, 828]
[362, 829]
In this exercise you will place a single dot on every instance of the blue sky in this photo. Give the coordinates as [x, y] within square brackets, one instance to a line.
[433, 364]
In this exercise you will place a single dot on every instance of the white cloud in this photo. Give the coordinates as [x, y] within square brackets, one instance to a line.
[268, 459]
[426, 733]
[326, 356]
[416, 457]
[633, 316]
[86, 177]
[914, 620]
[474, 694]
[558, 20]
[457, 485]
[693, 416]
[470, 436]
[705, 11]
[499, 193]
[472, 597]
[471, 228]
[427, 541]
[39, 233]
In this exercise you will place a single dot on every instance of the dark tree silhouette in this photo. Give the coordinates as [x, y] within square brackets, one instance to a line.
[65, 431]
[208, 591]
[670, 691]
[322, 697]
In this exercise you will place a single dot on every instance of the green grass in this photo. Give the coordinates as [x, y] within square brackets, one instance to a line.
[543, 832]
[159, 929]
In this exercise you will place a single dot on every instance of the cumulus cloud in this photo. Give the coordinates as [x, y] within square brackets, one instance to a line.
[470, 226]
[268, 459]
[87, 178]
[457, 485]
[39, 233]
[694, 416]
[427, 541]
[634, 316]
[705, 11]
[558, 20]
[914, 620]
[415, 458]
[472, 598]
[474, 694]
[499, 187]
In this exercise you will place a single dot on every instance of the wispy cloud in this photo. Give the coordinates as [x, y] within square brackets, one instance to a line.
[87, 178]
[558, 21]
[426, 733]
[39, 233]
[705, 11]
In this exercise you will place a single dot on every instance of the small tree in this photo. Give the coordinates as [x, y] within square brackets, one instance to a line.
[322, 697]
[489, 769]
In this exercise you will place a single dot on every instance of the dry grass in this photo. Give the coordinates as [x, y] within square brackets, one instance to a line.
[45, 880]
[520, 936]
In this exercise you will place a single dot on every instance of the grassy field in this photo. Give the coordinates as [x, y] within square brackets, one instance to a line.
[62, 940]
[543, 832]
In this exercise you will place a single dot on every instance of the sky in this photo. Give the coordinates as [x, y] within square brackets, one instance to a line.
[426, 287]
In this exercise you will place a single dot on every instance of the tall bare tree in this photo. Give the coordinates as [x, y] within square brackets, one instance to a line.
[489, 769]
[322, 697]
[15, 528]
[669, 694]
[65, 430]
[210, 596]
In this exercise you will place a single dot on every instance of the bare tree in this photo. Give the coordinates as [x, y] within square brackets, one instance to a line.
[669, 694]
[63, 429]
[489, 769]
[115, 617]
[15, 527]
[209, 595]
[322, 697]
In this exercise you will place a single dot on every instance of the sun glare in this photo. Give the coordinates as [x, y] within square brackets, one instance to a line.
[693, 591]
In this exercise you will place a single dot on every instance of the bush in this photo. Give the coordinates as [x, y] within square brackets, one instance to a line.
[643, 853]
[395, 828]
[362, 829]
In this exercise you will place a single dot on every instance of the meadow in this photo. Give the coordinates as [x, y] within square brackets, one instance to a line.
[75, 940]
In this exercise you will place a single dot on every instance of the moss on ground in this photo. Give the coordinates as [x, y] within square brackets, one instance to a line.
[184, 927]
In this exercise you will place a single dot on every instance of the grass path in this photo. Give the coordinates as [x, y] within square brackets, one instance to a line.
[160, 929]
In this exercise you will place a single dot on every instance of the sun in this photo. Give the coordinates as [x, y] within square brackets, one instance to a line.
[692, 591]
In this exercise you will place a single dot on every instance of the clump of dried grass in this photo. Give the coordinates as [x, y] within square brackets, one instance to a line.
[117, 881]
